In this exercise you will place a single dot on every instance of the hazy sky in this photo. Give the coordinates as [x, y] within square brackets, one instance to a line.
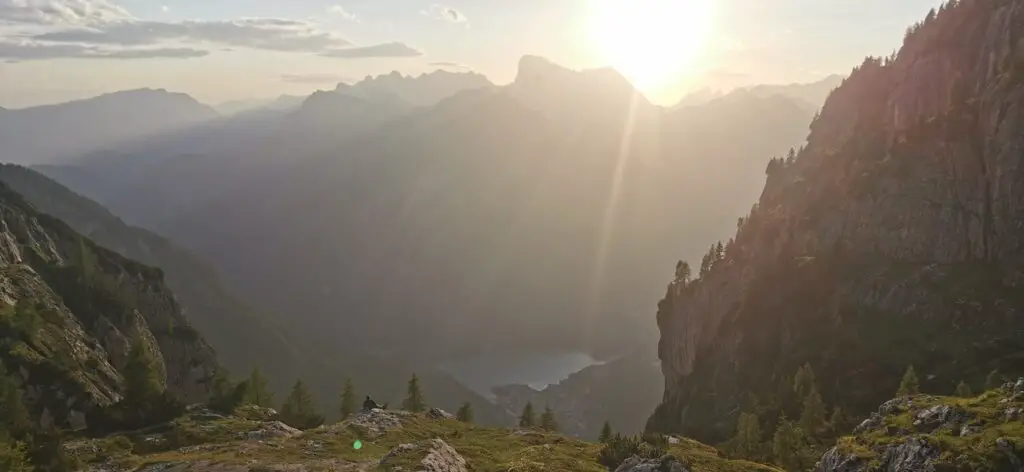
[216, 50]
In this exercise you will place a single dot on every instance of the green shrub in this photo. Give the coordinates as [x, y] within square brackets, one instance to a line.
[619, 448]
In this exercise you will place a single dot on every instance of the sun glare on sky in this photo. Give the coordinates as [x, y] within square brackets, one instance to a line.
[651, 42]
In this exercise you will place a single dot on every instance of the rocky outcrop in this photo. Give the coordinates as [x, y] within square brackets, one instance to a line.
[927, 433]
[899, 219]
[71, 310]
[639, 464]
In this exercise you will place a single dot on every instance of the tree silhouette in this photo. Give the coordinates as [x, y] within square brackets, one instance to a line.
[348, 400]
[606, 433]
[414, 400]
[527, 420]
[548, 421]
[465, 413]
[259, 394]
[298, 410]
[909, 385]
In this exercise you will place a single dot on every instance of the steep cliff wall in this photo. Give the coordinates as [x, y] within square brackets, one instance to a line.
[895, 237]
[69, 310]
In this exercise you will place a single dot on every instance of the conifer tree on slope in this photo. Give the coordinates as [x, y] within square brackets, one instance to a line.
[348, 400]
[747, 442]
[465, 413]
[812, 418]
[606, 433]
[527, 420]
[548, 421]
[142, 382]
[414, 400]
[909, 385]
[298, 410]
[258, 393]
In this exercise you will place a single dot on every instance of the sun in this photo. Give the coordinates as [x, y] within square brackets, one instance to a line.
[650, 41]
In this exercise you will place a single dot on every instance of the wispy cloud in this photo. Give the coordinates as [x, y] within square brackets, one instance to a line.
[60, 12]
[379, 50]
[257, 33]
[454, 65]
[342, 12]
[51, 29]
[446, 13]
[36, 51]
[313, 78]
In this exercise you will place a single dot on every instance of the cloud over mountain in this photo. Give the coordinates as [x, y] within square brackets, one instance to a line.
[394, 49]
[54, 29]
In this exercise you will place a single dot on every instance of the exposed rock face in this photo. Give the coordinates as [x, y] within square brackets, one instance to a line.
[665, 464]
[443, 458]
[901, 216]
[75, 308]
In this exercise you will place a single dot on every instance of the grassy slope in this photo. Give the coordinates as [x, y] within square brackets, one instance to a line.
[194, 440]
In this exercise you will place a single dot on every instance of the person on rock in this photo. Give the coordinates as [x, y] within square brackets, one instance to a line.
[369, 404]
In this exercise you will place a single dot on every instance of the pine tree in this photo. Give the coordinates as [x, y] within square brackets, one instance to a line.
[298, 410]
[963, 390]
[994, 380]
[683, 273]
[548, 421]
[909, 385]
[812, 418]
[527, 420]
[606, 433]
[788, 445]
[227, 395]
[142, 383]
[804, 381]
[747, 442]
[838, 420]
[259, 394]
[15, 422]
[414, 400]
[465, 413]
[348, 400]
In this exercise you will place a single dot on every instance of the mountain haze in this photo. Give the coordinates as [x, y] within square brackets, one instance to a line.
[541, 210]
[890, 245]
[58, 133]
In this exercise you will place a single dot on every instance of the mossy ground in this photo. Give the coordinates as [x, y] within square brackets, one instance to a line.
[214, 440]
[986, 415]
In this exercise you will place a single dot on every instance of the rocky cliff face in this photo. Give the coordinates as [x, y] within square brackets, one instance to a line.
[896, 236]
[69, 311]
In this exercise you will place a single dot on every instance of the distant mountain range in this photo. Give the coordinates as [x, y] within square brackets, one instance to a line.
[537, 215]
[443, 230]
[811, 95]
[58, 133]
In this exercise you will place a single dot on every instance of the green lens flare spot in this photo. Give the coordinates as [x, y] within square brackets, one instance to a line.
[357, 444]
